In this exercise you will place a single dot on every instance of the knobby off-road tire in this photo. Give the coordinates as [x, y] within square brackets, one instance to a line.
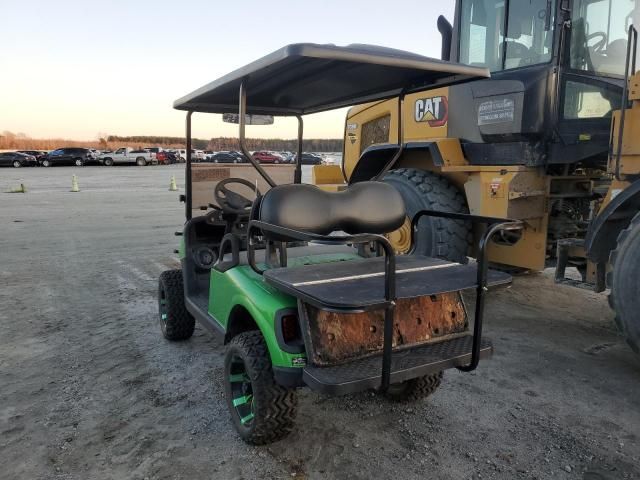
[624, 281]
[437, 237]
[414, 389]
[175, 321]
[261, 410]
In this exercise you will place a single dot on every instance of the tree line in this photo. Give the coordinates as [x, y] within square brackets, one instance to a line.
[21, 141]
[231, 143]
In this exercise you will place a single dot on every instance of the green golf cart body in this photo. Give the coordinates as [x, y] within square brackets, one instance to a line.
[297, 303]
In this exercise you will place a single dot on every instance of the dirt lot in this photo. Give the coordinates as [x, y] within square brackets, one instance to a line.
[89, 388]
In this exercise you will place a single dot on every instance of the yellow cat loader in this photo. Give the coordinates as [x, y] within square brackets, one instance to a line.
[551, 139]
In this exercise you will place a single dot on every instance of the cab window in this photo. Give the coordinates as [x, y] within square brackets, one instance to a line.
[491, 37]
[599, 35]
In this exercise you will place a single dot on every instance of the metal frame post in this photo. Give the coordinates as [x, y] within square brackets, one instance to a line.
[242, 110]
[187, 172]
[297, 177]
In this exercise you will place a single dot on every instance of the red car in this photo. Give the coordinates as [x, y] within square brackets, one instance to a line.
[266, 157]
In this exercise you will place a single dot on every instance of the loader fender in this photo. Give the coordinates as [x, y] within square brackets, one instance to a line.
[615, 217]
[375, 157]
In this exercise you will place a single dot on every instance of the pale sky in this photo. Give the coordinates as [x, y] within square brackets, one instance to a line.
[77, 69]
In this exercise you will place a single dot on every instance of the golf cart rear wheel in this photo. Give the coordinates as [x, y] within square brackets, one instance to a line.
[624, 282]
[437, 237]
[175, 321]
[261, 410]
[414, 389]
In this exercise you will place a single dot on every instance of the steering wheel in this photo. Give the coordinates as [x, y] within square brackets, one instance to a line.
[233, 202]
[600, 44]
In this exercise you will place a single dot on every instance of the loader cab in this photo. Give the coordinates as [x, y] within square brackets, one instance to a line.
[557, 71]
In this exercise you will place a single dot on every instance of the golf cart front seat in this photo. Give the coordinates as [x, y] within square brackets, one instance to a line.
[366, 211]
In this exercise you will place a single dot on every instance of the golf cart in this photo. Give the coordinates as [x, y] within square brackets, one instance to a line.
[302, 283]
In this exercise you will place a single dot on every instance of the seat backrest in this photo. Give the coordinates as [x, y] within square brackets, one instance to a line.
[365, 207]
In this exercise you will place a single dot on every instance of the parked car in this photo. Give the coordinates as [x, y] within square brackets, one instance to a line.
[227, 157]
[197, 155]
[17, 160]
[266, 157]
[287, 156]
[39, 154]
[69, 156]
[126, 155]
[166, 157]
[309, 159]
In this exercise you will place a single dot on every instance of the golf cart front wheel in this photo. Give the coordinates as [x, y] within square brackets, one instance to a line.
[261, 410]
[414, 389]
[175, 321]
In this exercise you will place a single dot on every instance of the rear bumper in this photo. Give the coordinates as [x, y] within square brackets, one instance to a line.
[406, 364]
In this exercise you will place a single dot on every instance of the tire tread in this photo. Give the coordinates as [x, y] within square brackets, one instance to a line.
[277, 405]
[180, 324]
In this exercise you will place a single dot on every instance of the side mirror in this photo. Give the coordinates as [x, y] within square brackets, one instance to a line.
[249, 119]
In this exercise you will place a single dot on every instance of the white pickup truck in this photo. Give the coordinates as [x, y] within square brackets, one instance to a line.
[128, 155]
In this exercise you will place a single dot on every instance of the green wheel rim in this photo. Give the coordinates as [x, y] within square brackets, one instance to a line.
[242, 397]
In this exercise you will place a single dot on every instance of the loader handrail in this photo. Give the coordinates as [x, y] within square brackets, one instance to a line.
[494, 225]
[632, 38]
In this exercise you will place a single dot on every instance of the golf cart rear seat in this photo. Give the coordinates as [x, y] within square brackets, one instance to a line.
[366, 211]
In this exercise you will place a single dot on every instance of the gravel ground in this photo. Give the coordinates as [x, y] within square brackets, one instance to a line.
[89, 388]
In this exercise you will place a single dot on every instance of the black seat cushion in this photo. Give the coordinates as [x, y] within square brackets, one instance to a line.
[365, 207]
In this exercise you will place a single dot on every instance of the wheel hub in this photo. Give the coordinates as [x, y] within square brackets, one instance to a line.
[400, 239]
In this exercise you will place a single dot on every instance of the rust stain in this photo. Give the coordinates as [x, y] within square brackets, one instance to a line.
[337, 337]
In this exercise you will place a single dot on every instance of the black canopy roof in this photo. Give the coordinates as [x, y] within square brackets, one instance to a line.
[306, 78]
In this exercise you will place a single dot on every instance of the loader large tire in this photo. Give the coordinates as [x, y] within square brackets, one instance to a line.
[437, 237]
[624, 281]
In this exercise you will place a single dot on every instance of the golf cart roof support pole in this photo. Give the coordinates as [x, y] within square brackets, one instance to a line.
[297, 177]
[189, 195]
[242, 110]
[398, 154]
